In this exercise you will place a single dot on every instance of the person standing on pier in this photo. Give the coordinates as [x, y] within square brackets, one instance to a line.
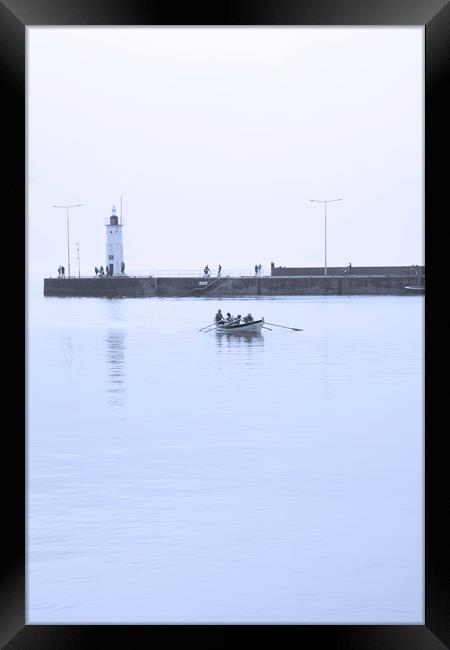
[63, 272]
[122, 267]
[96, 271]
[219, 271]
[349, 268]
[59, 271]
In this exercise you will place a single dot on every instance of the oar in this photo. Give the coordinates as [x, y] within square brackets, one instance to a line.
[211, 328]
[267, 328]
[296, 329]
[206, 326]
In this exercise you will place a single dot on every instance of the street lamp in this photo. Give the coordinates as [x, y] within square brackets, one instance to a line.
[66, 207]
[78, 258]
[325, 204]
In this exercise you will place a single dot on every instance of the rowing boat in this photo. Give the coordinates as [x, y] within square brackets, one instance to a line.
[241, 328]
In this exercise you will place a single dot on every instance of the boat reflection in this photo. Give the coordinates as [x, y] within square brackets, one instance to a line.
[227, 340]
[115, 356]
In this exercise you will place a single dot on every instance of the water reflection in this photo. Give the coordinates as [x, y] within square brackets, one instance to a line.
[66, 360]
[244, 345]
[115, 357]
[246, 338]
[325, 370]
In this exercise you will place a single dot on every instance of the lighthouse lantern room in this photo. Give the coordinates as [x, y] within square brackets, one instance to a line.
[115, 264]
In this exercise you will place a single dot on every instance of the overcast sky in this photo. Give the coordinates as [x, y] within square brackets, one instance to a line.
[218, 137]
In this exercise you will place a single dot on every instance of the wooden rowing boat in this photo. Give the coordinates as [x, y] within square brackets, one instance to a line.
[241, 328]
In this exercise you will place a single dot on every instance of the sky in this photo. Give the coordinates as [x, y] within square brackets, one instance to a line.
[217, 139]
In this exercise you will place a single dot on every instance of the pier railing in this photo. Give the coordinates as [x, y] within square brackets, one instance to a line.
[192, 273]
[178, 273]
[241, 273]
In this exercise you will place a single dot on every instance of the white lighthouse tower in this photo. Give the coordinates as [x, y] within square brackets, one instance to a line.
[114, 249]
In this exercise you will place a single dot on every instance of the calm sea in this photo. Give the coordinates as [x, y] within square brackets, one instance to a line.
[181, 476]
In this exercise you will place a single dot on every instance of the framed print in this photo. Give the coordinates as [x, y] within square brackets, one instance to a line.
[183, 471]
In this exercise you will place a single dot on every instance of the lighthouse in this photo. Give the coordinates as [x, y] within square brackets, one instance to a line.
[114, 249]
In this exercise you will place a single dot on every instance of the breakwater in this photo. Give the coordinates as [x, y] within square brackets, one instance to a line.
[276, 285]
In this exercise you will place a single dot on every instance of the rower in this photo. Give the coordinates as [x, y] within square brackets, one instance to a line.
[237, 320]
[219, 317]
[229, 317]
[248, 319]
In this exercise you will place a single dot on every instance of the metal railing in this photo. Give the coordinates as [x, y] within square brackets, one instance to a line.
[239, 273]
[192, 273]
[175, 273]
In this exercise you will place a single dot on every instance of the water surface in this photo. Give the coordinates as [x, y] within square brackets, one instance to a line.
[179, 476]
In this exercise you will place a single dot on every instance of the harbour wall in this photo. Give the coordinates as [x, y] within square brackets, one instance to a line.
[135, 287]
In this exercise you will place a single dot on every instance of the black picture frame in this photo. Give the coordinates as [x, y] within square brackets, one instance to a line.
[15, 16]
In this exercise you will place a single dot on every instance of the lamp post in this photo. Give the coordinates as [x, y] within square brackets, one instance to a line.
[66, 207]
[325, 204]
[78, 258]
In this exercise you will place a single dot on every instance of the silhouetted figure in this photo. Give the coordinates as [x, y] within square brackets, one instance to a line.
[206, 271]
[256, 270]
[219, 271]
[63, 272]
[96, 271]
[59, 271]
[349, 268]
[122, 267]
[102, 271]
